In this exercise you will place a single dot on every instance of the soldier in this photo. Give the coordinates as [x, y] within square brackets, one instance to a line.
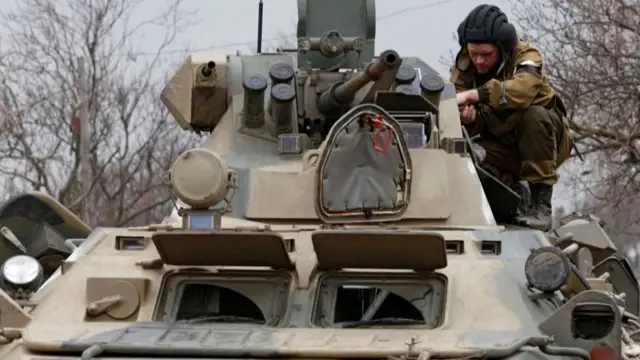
[504, 96]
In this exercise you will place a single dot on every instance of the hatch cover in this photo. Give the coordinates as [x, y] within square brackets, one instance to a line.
[416, 250]
[222, 248]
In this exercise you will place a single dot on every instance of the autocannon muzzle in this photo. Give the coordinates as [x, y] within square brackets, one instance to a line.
[342, 93]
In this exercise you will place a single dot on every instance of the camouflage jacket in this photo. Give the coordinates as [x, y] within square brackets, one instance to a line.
[521, 83]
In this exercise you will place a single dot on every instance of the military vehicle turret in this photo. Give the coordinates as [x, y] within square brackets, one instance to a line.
[334, 212]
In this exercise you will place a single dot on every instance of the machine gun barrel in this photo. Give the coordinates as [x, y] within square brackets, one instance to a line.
[342, 94]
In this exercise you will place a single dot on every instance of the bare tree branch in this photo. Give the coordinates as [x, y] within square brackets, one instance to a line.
[134, 140]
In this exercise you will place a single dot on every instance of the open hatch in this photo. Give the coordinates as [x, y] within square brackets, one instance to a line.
[364, 170]
[222, 248]
[415, 250]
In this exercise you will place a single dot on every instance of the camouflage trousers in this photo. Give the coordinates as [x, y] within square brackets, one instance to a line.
[525, 145]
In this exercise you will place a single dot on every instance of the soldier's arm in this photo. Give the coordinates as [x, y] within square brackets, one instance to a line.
[518, 91]
[454, 77]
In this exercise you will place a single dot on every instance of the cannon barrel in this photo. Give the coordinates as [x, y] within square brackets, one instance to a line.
[208, 68]
[341, 94]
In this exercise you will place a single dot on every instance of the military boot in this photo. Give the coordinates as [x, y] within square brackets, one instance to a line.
[522, 189]
[538, 215]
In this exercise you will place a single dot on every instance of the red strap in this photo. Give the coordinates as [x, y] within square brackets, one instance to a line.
[378, 123]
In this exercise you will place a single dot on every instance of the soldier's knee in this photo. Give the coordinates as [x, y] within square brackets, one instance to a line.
[537, 135]
[535, 112]
[536, 120]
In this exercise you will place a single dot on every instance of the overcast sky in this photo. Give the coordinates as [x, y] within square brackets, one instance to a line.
[422, 28]
[426, 32]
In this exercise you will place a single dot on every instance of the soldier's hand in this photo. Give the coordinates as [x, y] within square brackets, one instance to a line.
[461, 98]
[468, 97]
[468, 114]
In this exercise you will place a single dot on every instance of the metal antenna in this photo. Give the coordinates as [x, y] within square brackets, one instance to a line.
[260, 16]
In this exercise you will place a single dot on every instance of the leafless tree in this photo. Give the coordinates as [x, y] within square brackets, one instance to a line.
[592, 52]
[134, 139]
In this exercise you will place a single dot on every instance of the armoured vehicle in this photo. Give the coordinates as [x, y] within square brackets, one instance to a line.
[335, 211]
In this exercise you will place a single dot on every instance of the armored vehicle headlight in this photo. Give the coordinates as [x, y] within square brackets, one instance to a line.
[22, 271]
[547, 269]
[200, 178]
